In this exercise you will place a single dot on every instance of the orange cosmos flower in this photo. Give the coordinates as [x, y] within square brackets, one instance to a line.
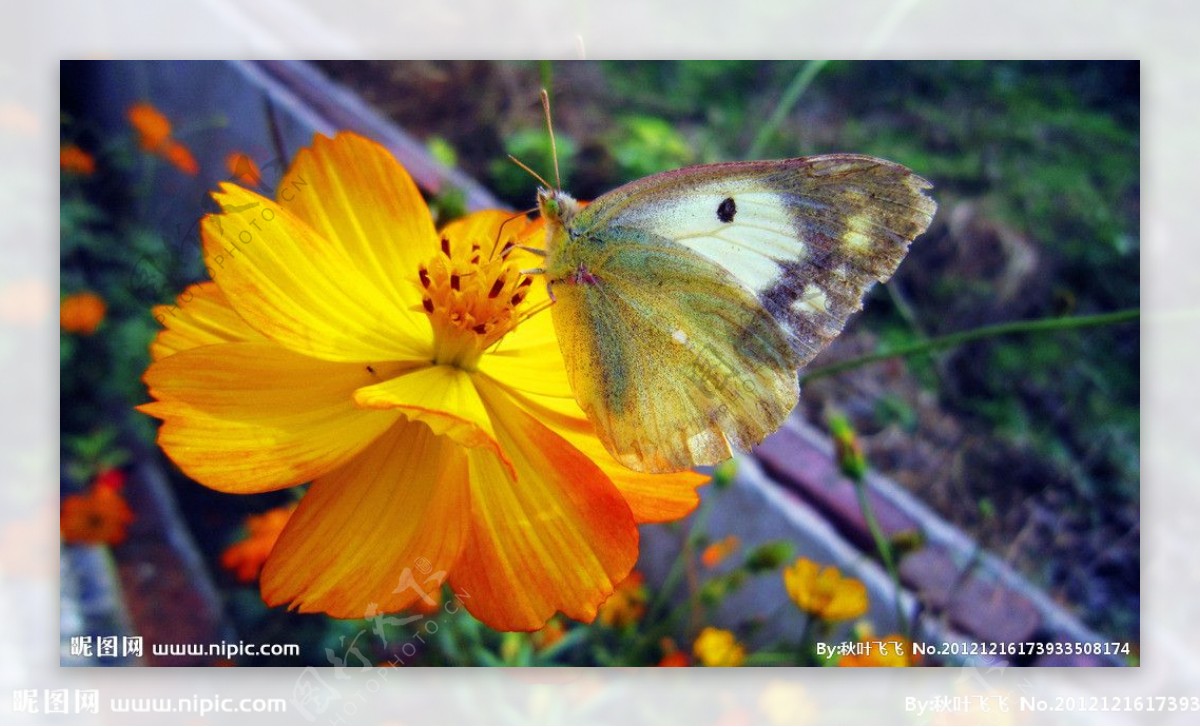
[627, 604]
[344, 341]
[245, 558]
[673, 656]
[717, 552]
[154, 135]
[718, 647]
[823, 592]
[243, 169]
[180, 157]
[550, 634]
[109, 479]
[75, 160]
[97, 516]
[152, 127]
[82, 313]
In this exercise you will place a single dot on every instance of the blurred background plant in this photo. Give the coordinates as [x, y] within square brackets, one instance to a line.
[1029, 443]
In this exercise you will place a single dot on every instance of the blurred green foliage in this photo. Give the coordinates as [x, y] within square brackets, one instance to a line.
[532, 148]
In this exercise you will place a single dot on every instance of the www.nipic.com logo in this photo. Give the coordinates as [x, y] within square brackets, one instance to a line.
[87, 701]
[226, 650]
[114, 647]
[196, 704]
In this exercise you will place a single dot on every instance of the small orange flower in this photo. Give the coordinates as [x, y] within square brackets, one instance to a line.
[152, 127]
[550, 634]
[82, 313]
[627, 604]
[717, 552]
[673, 656]
[154, 135]
[75, 160]
[245, 558]
[97, 516]
[675, 659]
[823, 592]
[243, 169]
[718, 647]
[891, 650]
[109, 479]
[181, 157]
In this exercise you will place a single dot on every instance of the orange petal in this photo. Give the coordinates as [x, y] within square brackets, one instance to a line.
[529, 363]
[302, 291]
[558, 538]
[378, 533]
[152, 127]
[181, 157]
[652, 497]
[73, 159]
[251, 417]
[243, 169]
[355, 194]
[201, 316]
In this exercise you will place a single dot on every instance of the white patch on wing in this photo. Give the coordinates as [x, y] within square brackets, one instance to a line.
[812, 300]
[679, 336]
[857, 237]
[748, 246]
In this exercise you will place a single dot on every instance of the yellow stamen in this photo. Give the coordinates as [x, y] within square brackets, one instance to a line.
[470, 301]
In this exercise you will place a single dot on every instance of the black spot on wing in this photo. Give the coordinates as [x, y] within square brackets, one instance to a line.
[726, 210]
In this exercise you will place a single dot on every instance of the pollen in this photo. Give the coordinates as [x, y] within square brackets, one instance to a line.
[471, 300]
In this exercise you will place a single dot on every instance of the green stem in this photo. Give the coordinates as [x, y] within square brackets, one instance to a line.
[954, 339]
[885, 552]
[685, 552]
[804, 77]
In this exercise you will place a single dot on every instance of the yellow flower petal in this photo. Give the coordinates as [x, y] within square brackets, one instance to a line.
[355, 194]
[302, 291]
[250, 417]
[201, 316]
[557, 539]
[444, 397]
[529, 360]
[718, 647]
[824, 592]
[384, 529]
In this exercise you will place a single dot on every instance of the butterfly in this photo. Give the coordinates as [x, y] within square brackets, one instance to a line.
[686, 302]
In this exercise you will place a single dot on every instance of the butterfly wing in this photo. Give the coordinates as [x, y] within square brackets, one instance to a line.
[671, 360]
[756, 266]
[807, 236]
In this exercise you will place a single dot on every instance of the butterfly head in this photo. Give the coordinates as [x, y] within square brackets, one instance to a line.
[557, 207]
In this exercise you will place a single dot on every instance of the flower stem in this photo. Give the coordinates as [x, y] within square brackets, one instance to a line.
[885, 551]
[954, 339]
[800, 83]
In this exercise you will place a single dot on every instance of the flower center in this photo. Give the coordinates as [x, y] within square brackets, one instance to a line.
[470, 299]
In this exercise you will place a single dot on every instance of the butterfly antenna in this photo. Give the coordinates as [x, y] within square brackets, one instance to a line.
[550, 130]
[532, 173]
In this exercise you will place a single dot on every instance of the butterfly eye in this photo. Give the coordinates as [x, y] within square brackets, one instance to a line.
[550, 207]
